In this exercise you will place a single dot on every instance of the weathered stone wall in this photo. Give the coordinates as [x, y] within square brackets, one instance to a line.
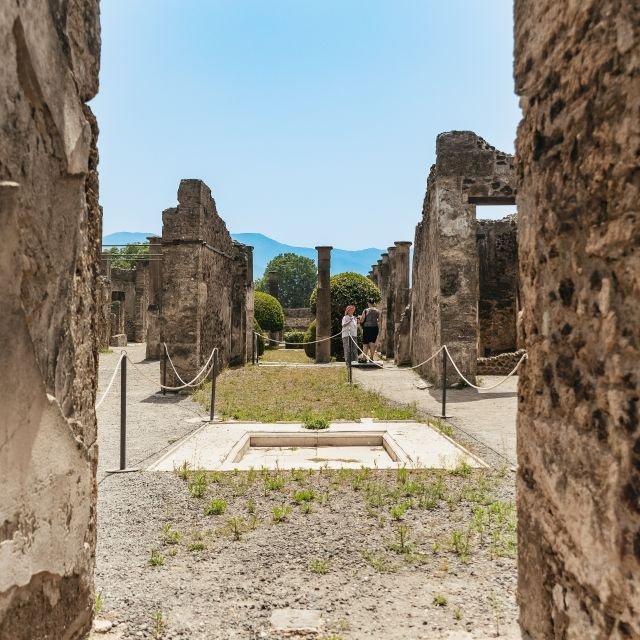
[577, 70]
[298, 319]
[500, 365]
[206, 284]
[51, 228]
[124, 281]
[468, 171]
[497, 242]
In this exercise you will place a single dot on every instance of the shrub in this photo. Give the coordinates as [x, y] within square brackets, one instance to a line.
[316, 423]
[309, 337]
[268, 312]
[295, 337]
[346, 288]
[258, 329]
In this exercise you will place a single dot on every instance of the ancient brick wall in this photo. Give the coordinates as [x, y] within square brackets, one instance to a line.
[206, 284]
[468, 171]
[577, 70]
[123, 281]
[298, 319]
[500, 365]
[497, 242]
[51, 229]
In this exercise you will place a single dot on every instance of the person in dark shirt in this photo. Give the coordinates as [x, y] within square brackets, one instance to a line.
[370, 326]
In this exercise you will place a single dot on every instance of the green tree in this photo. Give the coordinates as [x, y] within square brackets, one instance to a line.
[126, 257]
[297, 277]
[268, 312]
[346, 288]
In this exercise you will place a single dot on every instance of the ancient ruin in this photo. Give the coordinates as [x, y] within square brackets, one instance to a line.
[323, 305]
[207, 285]
[577, 71]
[49, 255]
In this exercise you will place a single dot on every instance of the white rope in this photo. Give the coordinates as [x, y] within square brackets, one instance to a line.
[397, 370]
[155, 382]
[189, 384]
[455, 366]
[113, 377]
[335, 335]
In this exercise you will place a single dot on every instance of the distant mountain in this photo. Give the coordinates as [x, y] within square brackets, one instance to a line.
[265, 248]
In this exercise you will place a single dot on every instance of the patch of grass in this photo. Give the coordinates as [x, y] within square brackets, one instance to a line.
[269, 394]
[402, 543]
[442, 427]
[304, 495]
[156, 559]
[280, 514]
[398, 511]
[197, 484]
[98, 604]
[318, 565]
[216, 507]
[379, 561]
[306, 508]
[251, 505]
[183, 470]
[196, 546]
[463, 469]
[439, 600]
[286, 355]
[316, 423]
[460, 543]
[457, 613]
[159, 624]
[274, 484]
[170, 535]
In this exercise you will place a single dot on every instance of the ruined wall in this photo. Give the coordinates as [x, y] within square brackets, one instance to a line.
[204, 272]
[497, 242]
[51, 228]
[468, 171]
[124, 281]
[298, 319]
[577, 70]
[141, 300]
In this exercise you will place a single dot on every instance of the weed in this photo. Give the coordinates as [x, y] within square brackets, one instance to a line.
[402, 544]
[159, 624]
[216, 507]
[253, 523]
[439, 600]
[169, 535]
[274, 484]
[402, 475]
[182, 471]
[280, 514]
[196, 546]
[435, 548]
[173, 551]
[457, 613]
[460, 544]
[379, 561]
[156, 559]
[240, 489]
[398, 511]
[357, 482]
[236, 527]
[251, 505]
[98, 602]
[306, 508]
[495, 608]
[297, 475]
[216, 477]
[316, 423]
[463, 468]
[197, 484]
[304, 495]
[320, 566]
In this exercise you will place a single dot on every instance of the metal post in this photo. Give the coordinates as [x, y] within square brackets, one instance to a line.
[444, 384]
[214, 375]
[348, 357]
[123, 413]
[164, 371]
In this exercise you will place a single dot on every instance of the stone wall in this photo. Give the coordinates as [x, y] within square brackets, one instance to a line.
[500, 365]
[497, 242]
[51, 229]
[468, 171]
[298, 319]
[123, 281]
[577, 70]
[207, 290]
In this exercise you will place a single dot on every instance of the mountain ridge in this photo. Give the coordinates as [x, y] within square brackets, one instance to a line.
[266, 248]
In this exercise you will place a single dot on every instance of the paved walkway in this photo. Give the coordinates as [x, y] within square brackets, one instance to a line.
[154, 421]
[484, 421]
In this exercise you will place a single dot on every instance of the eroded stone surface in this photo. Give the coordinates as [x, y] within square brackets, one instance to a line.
[577, 70]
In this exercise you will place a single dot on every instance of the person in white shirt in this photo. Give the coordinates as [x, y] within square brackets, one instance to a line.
[349, 331]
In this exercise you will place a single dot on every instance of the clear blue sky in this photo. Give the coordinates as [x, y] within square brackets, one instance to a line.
[313, 122]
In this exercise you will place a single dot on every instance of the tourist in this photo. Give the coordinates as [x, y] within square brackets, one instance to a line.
[369, 321]
[349, 334]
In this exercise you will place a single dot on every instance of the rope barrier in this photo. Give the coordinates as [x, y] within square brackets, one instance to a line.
[189, 384]
[455, 366]
[335, 335]
[397, 370]
[113, 377]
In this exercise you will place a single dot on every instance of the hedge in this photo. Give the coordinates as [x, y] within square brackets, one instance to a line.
[268, 312]
[295, 337]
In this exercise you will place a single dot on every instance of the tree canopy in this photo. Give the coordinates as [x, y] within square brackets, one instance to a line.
[126, 257]
[297, 277]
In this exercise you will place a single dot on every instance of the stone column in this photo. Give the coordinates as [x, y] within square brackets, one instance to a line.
[153, 337]
[402, 327]
[323, 305]
[391, 304]
[155, 269]
[273, 284]
[383, 270]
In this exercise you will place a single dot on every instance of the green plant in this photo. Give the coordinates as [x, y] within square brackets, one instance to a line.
[457, 613]
[398, 511]
[159, 624]
[316, 423]
[173, 551]
[379, 561]
[297, 475]
[439, 600]
[183, 470]
[268, 312]
[402, 544]
[197, 484]
[236, 527]
[198, 545]
[306, 508]
[215, 477]
[435, 548]
[319, 566]
[294, 339]
[98, 602]
[309, 338]
[304, 495]
[280, 514]
[460, 544]
[216, 507]
[251, 505]
[169, 535]
[274, 484]
[126, 257]
[463, 468]
[156, 559]
[402, 475]
[297, 275]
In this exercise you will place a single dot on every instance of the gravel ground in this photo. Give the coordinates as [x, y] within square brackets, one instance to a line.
[229, 589]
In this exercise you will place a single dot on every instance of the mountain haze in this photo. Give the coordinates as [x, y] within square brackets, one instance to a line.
[265, 248]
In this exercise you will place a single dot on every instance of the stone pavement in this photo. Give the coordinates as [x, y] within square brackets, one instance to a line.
[154, 422]
[484, 421]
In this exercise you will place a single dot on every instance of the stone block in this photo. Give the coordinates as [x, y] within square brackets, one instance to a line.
[118, 340]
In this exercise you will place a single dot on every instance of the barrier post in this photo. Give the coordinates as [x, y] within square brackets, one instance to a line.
[444, 384]
[348, 357]
[164, 371]
[123, 414]
[214, 375]
[256, 348]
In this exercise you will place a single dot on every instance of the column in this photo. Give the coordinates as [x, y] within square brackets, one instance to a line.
[273, 283]
[323, 305]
